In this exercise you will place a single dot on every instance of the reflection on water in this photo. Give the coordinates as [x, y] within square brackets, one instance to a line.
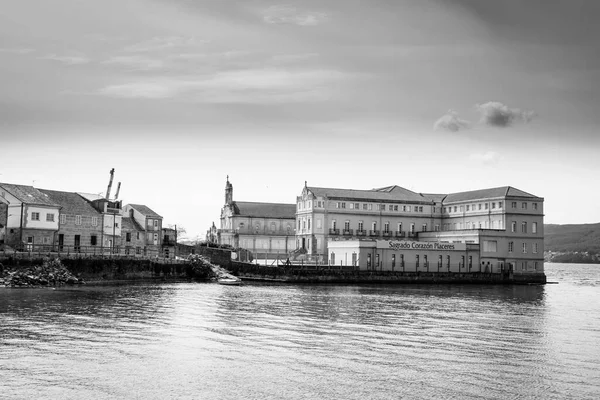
[278, 341]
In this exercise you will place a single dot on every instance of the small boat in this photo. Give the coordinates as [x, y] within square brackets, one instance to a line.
[229, 281]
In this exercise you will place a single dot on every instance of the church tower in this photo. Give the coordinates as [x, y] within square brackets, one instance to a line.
[228, 192]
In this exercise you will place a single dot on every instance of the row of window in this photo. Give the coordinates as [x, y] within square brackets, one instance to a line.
[362, 206]
[524, 247]
[35, 216]
[472, 207]
[513, 227]
[534, 206]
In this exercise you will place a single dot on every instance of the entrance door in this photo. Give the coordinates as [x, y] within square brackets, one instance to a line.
[61, 242]
[303, 243]
[77, 243]
[29, 243]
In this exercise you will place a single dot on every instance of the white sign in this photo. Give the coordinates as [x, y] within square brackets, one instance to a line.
[399, 245]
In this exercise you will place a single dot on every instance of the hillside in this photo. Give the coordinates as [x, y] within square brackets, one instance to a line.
[572, 238]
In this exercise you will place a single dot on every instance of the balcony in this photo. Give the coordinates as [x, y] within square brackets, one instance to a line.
[400, 234]
[347, 232]
[361, 232]
[373, 233]
[386, 234]
[334, 231]
[412, 234]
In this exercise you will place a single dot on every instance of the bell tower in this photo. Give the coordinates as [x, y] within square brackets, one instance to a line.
[228, 192]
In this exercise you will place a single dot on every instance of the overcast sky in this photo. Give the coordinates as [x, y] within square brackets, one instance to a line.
[433, 95]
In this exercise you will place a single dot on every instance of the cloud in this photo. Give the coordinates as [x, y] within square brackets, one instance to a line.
[165, 42]
[136, 62]
[451, 122]
[285, 14]
[17, 50]
[494, 113]
[245, 86]
[69, 60]
[488, 158]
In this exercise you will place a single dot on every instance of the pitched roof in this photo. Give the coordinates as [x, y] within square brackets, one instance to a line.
[28, 194]
[90, 196]
[71, 203]
[264, 210]
[503, 191]
[145, 210]
[388, 193]
[130, 224]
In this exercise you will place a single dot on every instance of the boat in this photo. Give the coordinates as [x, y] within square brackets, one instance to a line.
[229, 281]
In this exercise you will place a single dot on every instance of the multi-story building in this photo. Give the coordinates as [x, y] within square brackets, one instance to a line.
[133, 237]
[152, 223]
[28, 217]
[265, 229]
[492, 230]
[79, 224]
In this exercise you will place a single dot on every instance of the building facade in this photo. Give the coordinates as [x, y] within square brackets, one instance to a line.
[29, 217]
[79, 224]
[150, 221]
[265, 229]
[492, 230]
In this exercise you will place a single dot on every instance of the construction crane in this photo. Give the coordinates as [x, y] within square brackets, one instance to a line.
[118, 189]
[112, 174]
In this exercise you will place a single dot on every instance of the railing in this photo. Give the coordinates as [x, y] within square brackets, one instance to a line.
[373, 232]
[334, 231]
[400, 234]
[412, 234]
[386, 234]
[361, 232]
[46, 250]
[347, 232]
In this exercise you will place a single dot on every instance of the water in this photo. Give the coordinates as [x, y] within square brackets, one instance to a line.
[258, 341]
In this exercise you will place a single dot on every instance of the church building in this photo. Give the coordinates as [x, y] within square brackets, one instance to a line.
[266, 229]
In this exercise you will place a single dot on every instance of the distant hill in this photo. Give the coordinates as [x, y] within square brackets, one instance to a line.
[572, 238]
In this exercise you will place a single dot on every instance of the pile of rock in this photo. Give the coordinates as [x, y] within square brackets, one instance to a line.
[51, 272]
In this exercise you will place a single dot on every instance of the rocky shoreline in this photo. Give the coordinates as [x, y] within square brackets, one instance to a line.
[49, 273]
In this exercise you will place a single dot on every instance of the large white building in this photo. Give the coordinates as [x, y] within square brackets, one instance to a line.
[497, 230]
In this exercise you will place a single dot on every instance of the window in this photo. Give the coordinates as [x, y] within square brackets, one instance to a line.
[370, 207]
[412, 228]
[386, 227]
[35, 216]
[63, 219]
[534, 205]
[513, 226]
[490, 246]
[479, 206]
[332, 259]
[374, 226]
[499, 204]
[360, 225]
[524, 247]
[351, 206]
[343, 204]
[420, 208]
[461, 209]
[396, 208]
[511, 246]
[493, 205]
[513, 204]
[94, 221]
[364, 206]
[116, 224]
[467, 207]
[524, 206]
[535, 248]
[357, 206]
[346, 225]
[149, 223]
[390, 207]
[393, 261]
[138, 236]
[400, 227]
[486, 206]
[437, 228]
[523, 227]
[333, 224]
[155, 223]
[408, 208]
[50, 217]
[78, 220]
[455, 208]
[93, 240]
[303, 224]
[534, 227]
[299, 206]
[444, 209]
[273, 225]
[128, 237]
[424, 227]
[319, 224]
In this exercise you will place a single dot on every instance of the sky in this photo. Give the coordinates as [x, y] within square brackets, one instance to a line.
[437, 96]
